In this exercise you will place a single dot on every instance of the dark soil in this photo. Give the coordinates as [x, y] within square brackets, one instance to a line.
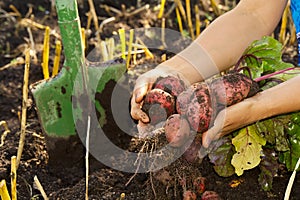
[61, 170]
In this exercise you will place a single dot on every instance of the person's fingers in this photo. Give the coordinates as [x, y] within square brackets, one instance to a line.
[136, 112]
[141, 90]
[209, 136]
[216, 131]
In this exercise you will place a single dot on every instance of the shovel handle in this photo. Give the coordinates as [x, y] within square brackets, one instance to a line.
[69, 24]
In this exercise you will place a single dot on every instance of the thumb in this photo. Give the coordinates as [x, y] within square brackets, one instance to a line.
[209, 136]
[141, 91]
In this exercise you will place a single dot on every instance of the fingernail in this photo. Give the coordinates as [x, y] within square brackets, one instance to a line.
[144, 117]
[137, 96]
[206, 142]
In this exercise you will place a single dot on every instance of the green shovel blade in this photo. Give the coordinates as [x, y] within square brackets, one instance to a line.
[54, 97]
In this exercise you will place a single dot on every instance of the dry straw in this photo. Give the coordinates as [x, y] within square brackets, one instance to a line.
[46, 48]
[4, 134]
[24, 106]
[3, 191]
[56, 58]
[13, 177]
[161, 10]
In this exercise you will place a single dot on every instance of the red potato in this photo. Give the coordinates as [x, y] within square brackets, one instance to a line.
[183, 100]
[189, 195]
[177, 130]
[210, 195]
[158, 105]
[200, 110]
[233, 88]
[199, 185]
[170, 84]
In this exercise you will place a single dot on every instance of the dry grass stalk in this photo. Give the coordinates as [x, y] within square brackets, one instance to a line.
[170, 11]
[46, 49]
[14, 62]
[135, 48]
[13, 176]
[181, 9]
[104, 51]
[4, 134]
[137, 11]
[161, 10]
[215, 7]
[111, 48]
[87, 145]
[163, 57]
[82, 30]
[32, 46]
[123, 42]
[148, 53]
[56, 58]
[163, 32]
[139, 51]
[293, 37]
[40, 187]
[110, 9]
[179, 21]
[122, 196]
[24, 107]
[30, 23]
[16, 11]
[131, 33]
[89, 20]
[106, 21]
[189, 18]
[93, 13]
[3, 191]
[198, 22]
[284, 19]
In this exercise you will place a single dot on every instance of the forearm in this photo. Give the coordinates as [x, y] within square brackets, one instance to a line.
[224, 41]
[280, 99]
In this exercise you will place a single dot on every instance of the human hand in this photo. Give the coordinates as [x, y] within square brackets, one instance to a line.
[230, 119]
[144, 84]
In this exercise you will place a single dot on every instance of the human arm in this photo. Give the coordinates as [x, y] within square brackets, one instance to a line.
[217, 48]
[280, 99]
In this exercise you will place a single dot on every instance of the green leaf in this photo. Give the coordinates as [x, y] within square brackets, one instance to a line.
[273, 130]
[248, 145]
[290, 157]
[268, 167]
[264, 56]
[221, 156]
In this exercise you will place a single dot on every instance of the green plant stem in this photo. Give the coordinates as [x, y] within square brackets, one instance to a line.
[273, 74]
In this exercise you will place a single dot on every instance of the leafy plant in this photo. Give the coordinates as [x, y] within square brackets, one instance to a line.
[268, 142]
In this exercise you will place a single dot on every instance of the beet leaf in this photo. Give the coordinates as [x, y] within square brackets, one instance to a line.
[248, 145]
[221, 155]
[264, 56]
[268, 167]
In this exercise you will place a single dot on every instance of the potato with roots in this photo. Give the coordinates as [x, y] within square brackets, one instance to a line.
[158, 105]
[196, 106]
[177, 130]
